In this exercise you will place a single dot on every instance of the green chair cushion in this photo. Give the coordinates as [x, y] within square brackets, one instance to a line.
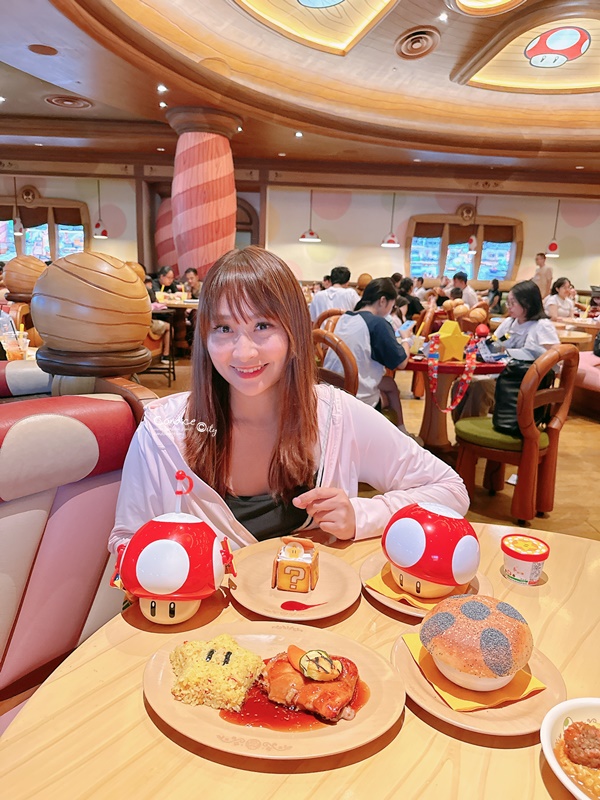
[479, 430]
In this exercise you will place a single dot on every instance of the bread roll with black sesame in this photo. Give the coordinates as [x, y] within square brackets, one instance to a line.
[476, 641]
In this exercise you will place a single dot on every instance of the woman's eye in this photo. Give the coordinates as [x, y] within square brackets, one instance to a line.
[263, 326]
[222, 329]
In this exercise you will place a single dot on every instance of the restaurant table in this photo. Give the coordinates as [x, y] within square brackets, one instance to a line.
[582, 339]
[434, 426]
[86, 732]
[180, 306]
[580, 323]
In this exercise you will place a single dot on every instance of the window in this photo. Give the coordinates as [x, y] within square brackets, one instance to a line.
[69, 239]
[425, 256]
[7, 241]
[438, 245]
[53, 227]
[37, 243]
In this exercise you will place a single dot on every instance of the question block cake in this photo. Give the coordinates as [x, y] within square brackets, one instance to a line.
[296, 565]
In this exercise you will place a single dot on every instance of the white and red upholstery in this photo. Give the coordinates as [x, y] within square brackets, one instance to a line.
[60, 470]
[18, 378]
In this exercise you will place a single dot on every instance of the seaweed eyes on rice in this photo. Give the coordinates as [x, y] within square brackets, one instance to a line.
[217, 673]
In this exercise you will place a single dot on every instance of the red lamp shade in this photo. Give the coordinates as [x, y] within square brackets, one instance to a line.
[433, 543]
[175, 557]
[557, 46]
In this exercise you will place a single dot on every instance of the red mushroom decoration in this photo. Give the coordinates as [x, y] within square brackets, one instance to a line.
[172, 563]
[557, 46]
[482, 331]
[431, 549]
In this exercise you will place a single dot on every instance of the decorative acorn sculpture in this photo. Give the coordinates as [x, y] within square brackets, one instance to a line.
[93, 313]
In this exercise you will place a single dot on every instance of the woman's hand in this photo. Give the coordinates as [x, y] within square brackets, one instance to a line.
[331, 509]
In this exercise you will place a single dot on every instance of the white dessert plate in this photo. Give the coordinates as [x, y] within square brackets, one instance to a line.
[580, 709]
[202, 724]
[512, 719]
[337, 588]
[480, 584]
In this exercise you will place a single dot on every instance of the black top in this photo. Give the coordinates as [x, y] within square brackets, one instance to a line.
[265, 517]
[158, 287]
[414, 305]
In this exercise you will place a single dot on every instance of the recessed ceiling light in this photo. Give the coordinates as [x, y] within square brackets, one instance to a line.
[68, 101]
[417, 160]
[239, 129]
[161, 88]
[443, 17]
[281, 155]
[2, 99]
[38, 144]
[161, 149]
[162, 104]
[298, 134]
[42, 49]
[579, 167]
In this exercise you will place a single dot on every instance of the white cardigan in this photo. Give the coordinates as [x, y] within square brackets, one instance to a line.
[357, 444]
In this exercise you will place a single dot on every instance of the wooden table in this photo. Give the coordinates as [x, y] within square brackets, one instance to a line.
[179, 306]
[580, 338]
[87, 733]
[434, 426]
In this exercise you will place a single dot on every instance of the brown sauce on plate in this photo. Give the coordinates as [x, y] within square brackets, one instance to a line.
[259, 712]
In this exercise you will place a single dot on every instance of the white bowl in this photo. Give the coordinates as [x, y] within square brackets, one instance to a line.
[581, 709]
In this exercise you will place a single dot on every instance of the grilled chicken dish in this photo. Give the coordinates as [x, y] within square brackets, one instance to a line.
[329, 698]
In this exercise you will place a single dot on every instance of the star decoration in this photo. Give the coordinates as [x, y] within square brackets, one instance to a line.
[452, 342]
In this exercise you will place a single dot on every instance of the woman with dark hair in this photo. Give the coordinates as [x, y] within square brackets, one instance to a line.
[559, 302]
[268, 450]
[414, 304]
[493, 295]
[525, 334]
[373, 343]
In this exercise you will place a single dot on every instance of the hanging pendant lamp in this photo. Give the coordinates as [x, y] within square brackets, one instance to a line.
[473, 238]
[310, 235]
[17, 224]
[391, 240]
[100, 231]
[552, 249]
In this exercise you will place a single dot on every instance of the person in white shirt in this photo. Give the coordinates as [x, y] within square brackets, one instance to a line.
[543, 275]
[529, 333]
[419, 290]
[469, 295]
[337, 296]
[559, 303]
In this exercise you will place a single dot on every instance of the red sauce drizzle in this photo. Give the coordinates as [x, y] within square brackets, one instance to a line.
[295, 605]
[259, 712]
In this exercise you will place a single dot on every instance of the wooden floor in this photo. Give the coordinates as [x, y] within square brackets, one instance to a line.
[577, 502]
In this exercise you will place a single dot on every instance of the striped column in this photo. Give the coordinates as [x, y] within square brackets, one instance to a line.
[203, 197]
[166, 253]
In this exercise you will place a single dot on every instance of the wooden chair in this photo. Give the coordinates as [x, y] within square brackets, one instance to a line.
[535, 451]
[330, 312]
[349, 380]
[425, 319]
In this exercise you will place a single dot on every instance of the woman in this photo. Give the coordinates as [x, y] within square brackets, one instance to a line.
[525, 334]
[268, 451]
[559, 303]
[493, 296]
[373, 343]
[414, 304]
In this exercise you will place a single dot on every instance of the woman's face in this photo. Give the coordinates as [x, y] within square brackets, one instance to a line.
[515, 309]
[250, 355]
[167, 280]
[565, 290]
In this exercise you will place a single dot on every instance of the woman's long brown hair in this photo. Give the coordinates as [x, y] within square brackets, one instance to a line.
[254, 280]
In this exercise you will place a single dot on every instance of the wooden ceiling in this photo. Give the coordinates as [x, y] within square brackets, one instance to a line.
[369, 108]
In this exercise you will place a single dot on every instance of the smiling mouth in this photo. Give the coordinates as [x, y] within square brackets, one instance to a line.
[248, 372]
